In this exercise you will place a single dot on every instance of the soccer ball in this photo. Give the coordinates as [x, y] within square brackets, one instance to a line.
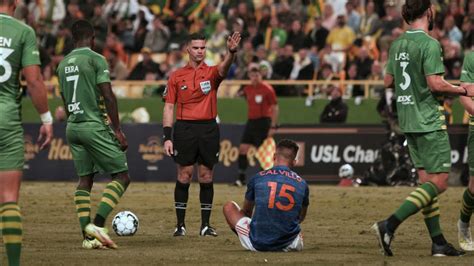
[346, 171]
[125, 223]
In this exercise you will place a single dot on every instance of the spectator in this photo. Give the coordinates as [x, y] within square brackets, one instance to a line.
[391, 20]
[146, 69]
[118, 70]
[217, 42]
[364, 63]
[275, 31]
[175, 59]
[296, 36]
[179, 34]
[353, 17]
[244, 58]
[121, 9]
[336, 110]
[255, 36]
[100, 25]
[317, 36]
[329, 17]
[140, 35]
[113, 43]
[370, 21]
[341, 37]
[302, 67]
[355, 90]
[453, 32]
[157, 39]
[284, 63]
[49, 12]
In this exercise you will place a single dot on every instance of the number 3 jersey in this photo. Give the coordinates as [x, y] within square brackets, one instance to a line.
[17, 50]
[279, 195]
[412, 57]
[79, 74]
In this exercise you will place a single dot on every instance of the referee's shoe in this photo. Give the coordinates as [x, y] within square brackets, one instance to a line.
[207, 230]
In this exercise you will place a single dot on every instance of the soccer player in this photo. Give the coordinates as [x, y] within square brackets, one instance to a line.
[18, 52]
[97, 145]
[262, 117]
[193, 88]
[281, 200]
[464, 232]
[416, 69]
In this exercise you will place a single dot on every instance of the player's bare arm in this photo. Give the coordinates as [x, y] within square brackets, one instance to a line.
[303, 212]
[247, 209]
[468, 104]
[37, 91]
[232, 46]
[437, 83]
[168, 111]
[112, 111]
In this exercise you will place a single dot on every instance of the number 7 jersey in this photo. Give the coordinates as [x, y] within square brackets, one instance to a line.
[79, 74]
[279, 195]
[17, 50]
[412, 57]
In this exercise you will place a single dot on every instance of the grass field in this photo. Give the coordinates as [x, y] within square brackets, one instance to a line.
[336, 230]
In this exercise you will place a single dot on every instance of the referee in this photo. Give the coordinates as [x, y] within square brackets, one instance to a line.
[193, 88]
[262, 117]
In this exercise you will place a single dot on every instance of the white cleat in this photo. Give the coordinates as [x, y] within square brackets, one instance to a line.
[464, 236]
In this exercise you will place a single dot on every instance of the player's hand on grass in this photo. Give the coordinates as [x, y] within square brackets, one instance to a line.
[45, 135]
[233, 42]
[168, 147]
[121, 139]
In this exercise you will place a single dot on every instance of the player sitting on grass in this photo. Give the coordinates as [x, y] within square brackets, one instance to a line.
[280, 198]
[96, 145]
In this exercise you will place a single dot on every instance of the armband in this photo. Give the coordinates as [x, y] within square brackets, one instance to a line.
[46, 118]
[167, 133]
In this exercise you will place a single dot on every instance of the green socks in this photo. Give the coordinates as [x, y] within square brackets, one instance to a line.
[111, 196]
[467, 206]
[82, 199]
[11, 227]
[417, 200]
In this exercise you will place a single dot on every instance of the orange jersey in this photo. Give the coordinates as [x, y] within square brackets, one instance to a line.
[194, 91]
[260, 100]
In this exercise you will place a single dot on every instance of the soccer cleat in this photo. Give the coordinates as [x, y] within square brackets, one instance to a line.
[207, 230]
[180, 230]
[464, 236]
[92, 243]
[100, 234]
[445, 250]
[384, 237]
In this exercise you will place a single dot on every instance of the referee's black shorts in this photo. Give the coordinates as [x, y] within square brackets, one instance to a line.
[196, 141]
[256, 131]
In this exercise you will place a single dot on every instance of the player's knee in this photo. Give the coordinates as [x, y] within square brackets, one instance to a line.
[441, 184]
[230, 207]
[85, 183]
[123, 178]
[184, 177]
[205, 178]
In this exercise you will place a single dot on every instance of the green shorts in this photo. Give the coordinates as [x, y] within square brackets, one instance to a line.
[12, 149]
[430, 151]
[470, 150]
[96, 151]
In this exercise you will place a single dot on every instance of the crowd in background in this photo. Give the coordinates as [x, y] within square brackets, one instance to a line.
[290, 40]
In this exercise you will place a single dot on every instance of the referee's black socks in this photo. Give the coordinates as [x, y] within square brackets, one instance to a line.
[243, 164]
[181, 192]
[206, 195]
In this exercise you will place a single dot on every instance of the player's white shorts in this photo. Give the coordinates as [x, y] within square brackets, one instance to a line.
[243, 231]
